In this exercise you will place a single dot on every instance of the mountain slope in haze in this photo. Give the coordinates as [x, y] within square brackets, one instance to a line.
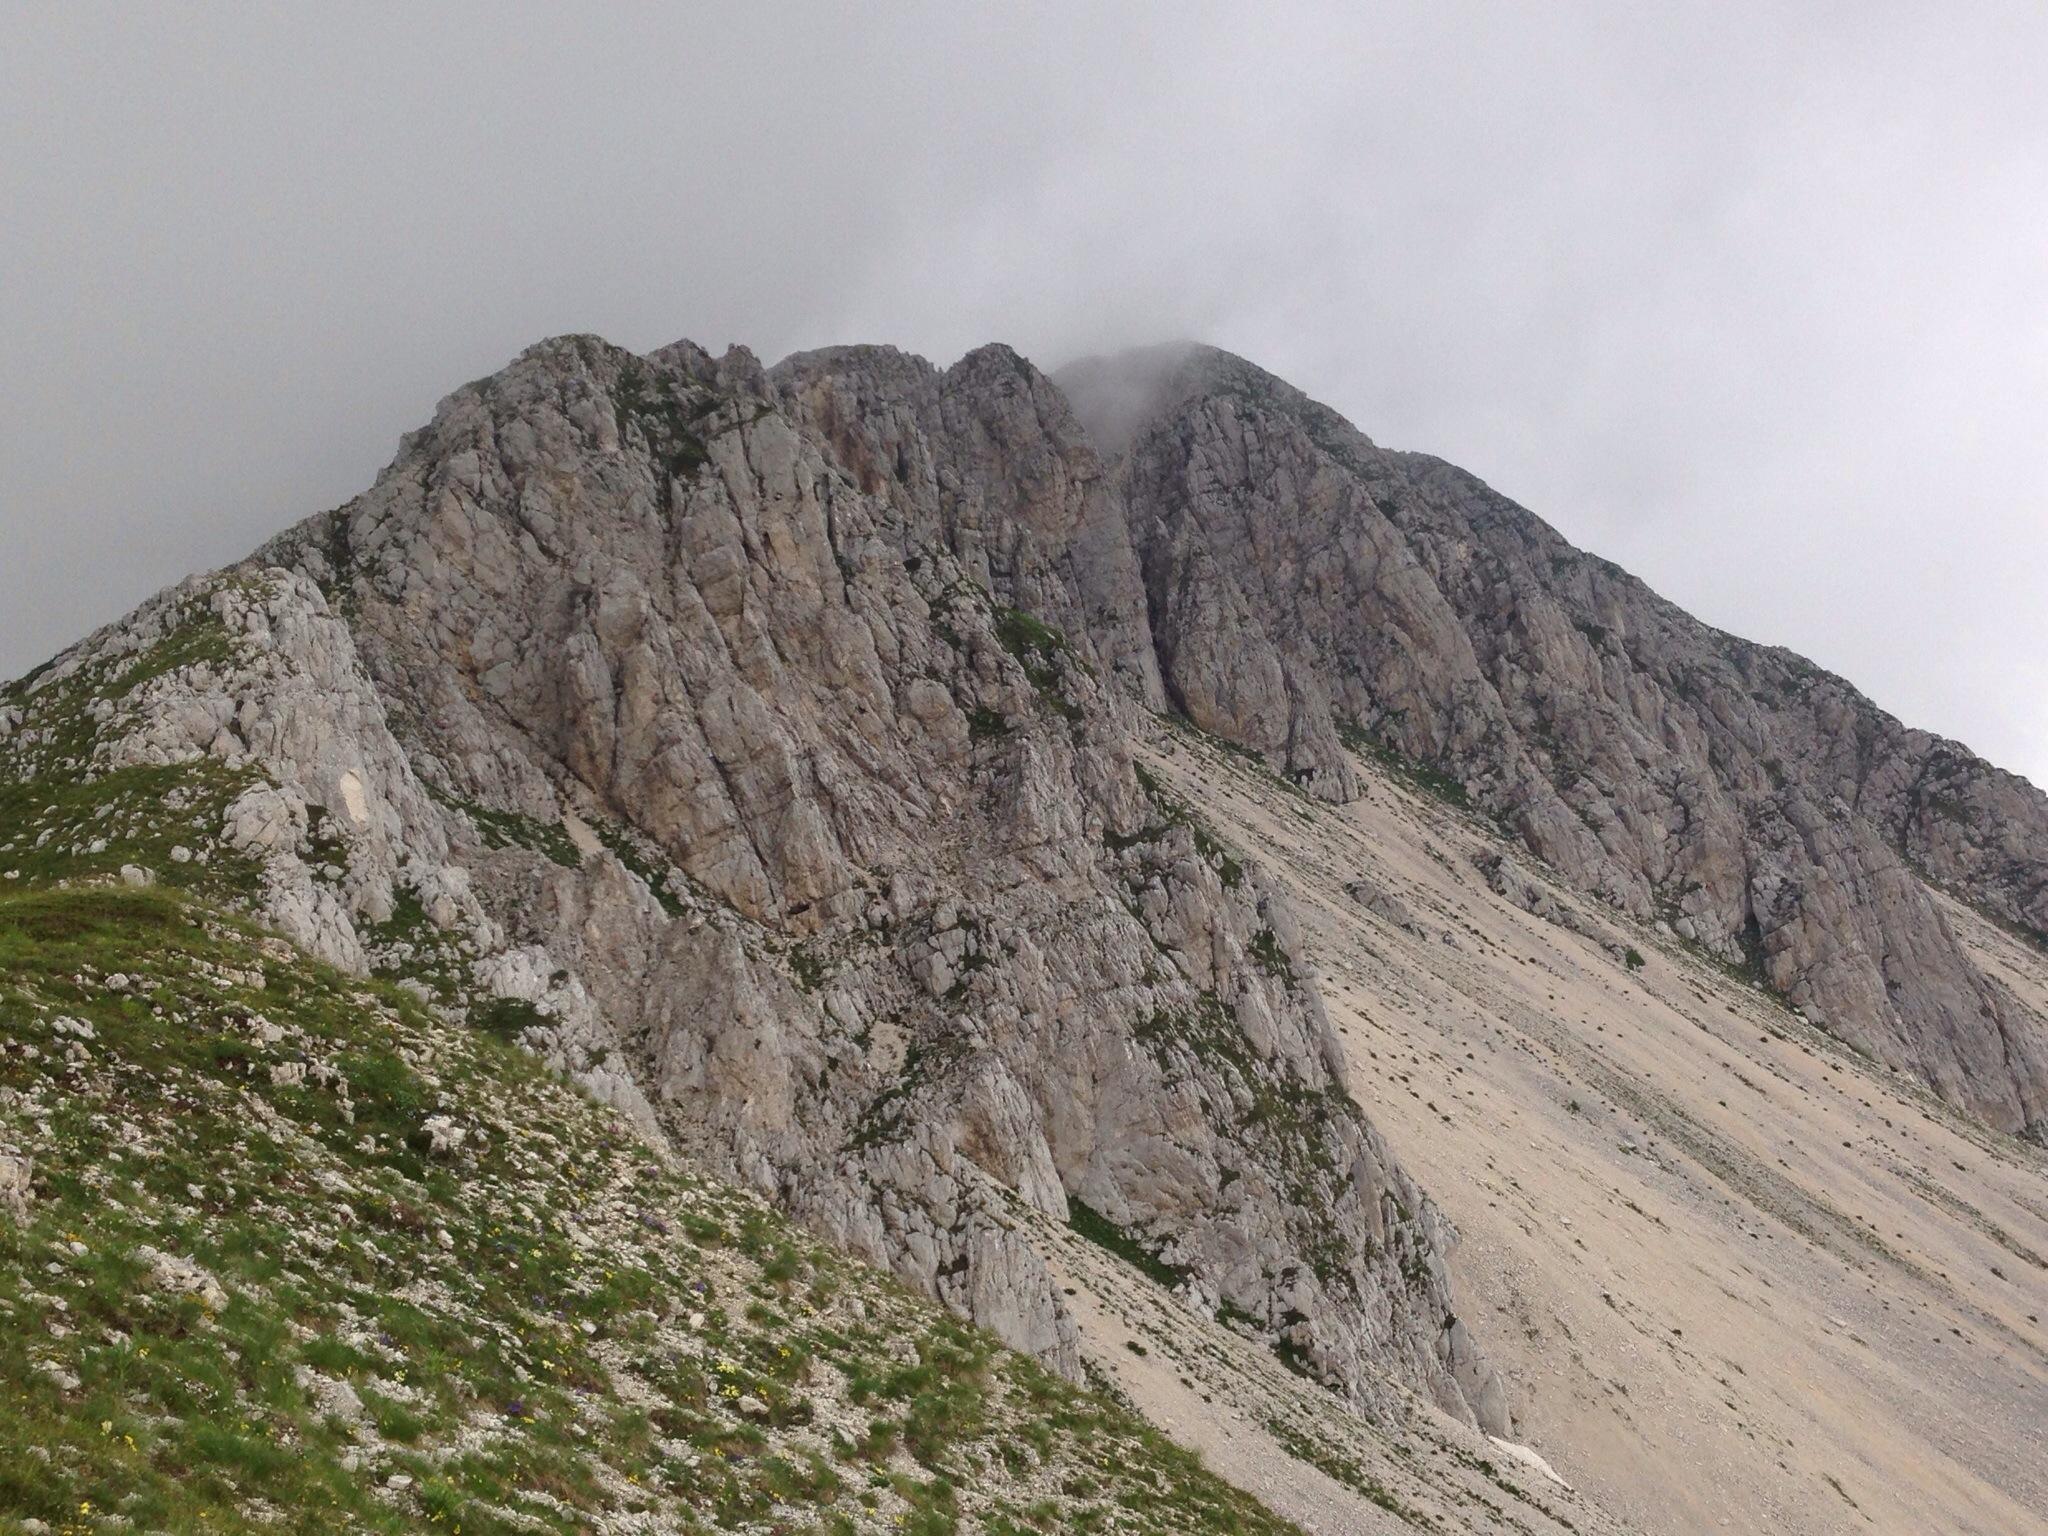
[1306, 585]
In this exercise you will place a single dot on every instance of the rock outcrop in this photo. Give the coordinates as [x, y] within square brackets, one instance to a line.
[795, 704]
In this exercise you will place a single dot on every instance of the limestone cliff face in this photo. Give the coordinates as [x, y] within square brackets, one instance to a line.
[796, 705]
[1304, 583]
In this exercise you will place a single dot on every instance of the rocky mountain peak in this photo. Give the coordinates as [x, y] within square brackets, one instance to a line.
[769, 746]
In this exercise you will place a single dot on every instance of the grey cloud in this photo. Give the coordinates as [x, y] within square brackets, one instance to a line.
[1751, 298]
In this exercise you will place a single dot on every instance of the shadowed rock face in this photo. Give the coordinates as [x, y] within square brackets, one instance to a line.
[837, 660]
[1303, 582]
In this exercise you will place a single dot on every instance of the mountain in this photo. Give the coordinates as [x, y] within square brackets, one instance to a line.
[883, 790]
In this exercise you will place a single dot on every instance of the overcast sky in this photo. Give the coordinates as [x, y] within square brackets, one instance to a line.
[1752, 299]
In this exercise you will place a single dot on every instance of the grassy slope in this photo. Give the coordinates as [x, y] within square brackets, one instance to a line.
[543, 1328]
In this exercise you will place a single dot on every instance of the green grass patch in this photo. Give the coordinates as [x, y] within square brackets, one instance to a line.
[1430, 780]
[1106, 1234]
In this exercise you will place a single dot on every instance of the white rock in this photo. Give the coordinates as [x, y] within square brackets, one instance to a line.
[265, 819]
[444, 1136]
[17, 1172]
[332, 1398]
[1527, 1458]
[182, 1277]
